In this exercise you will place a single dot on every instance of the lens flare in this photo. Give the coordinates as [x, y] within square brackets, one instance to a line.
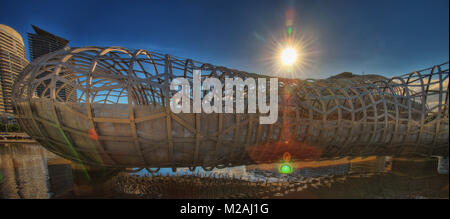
[285, 168]
[291, 51]
[289, 56]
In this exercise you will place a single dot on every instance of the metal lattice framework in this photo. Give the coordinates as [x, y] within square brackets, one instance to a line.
[119, 114]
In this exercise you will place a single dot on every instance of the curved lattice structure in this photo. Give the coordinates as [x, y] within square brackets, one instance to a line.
[109, 106]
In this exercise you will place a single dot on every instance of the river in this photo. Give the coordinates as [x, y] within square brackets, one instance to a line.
[28, 171]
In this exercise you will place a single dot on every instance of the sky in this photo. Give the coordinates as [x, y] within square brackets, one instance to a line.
[386, 37]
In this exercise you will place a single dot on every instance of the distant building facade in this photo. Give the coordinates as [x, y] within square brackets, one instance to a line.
[40, 43]
[12, 62]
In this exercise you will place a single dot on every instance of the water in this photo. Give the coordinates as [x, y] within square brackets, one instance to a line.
[29, 171]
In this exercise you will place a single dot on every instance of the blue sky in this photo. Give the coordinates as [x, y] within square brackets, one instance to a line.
[375, 37]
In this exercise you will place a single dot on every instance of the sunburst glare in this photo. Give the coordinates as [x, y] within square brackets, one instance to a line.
[288, 56]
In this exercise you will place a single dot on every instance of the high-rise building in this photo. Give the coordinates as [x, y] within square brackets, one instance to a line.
[12, 62]
[40, 43]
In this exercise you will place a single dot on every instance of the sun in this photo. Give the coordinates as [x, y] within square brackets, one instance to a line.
[292, 56]
[288, 56]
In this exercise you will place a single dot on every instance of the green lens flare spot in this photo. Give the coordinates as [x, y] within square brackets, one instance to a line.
[285, 168]
[289, 30]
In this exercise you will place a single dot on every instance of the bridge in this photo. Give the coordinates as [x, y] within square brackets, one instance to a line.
[110, 107]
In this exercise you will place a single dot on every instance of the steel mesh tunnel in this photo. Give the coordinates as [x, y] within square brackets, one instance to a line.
[118, 114]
